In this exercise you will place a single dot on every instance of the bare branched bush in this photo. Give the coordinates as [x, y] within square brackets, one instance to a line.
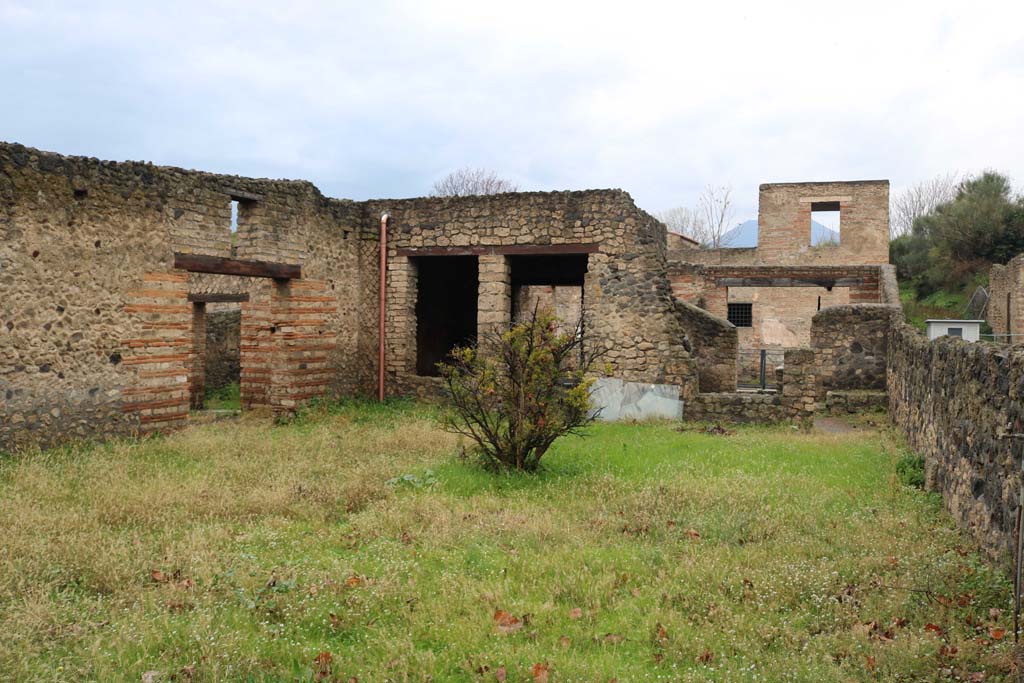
[709, 223]
[919, 200]
[468, 181]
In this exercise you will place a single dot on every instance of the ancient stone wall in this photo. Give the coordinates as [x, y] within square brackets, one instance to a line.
[1005, 311]
[627, 301]
[795, 403]
[96, 330]
[714, 344]
[851, 346]
[958, 404]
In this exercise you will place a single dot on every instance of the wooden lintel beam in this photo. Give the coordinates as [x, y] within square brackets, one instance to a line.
[218, 265]
[218, 298]
[242, 194]
[506, 250]
[789, 282]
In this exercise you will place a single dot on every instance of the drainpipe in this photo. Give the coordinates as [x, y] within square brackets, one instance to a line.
[383, 299]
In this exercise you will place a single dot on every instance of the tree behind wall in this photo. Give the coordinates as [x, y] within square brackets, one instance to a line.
[958, 239]
[466, 182]
[919, 200]
[709, 223]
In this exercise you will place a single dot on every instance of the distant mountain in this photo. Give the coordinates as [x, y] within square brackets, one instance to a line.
[745, 234]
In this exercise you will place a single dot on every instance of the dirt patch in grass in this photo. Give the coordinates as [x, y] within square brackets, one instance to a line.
[249, 552]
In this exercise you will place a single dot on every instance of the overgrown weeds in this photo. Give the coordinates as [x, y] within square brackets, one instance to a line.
[354, 543]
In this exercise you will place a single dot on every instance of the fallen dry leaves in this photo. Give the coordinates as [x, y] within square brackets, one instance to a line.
[507, 622]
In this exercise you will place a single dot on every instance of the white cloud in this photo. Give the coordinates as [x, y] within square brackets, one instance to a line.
[656, 98]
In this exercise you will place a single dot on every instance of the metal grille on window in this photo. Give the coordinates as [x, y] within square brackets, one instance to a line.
[741, 315]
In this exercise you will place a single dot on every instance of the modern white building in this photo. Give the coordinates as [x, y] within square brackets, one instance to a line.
[968, 330]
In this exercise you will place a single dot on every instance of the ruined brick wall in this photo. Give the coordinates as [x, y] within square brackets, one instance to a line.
[1005, 312]
[851, 346]
[795, 403]
[955, 401]
[626, 293]
[96, 331]
[784, 223]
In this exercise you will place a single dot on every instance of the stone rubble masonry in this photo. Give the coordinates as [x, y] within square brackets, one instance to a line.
[851, 346]
[714, 344]
[795, 403]
[628, 308]
[96, 332]
[855, 401]
[1005, 311]
[97, 336]
[958, 404]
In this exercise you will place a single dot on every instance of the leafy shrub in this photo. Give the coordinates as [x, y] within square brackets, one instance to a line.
[516, 392]
[910, 470]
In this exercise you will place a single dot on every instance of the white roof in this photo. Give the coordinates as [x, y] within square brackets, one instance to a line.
[952, 320]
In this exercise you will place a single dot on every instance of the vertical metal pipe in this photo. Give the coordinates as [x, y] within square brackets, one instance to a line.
[383, 300]
[764, 361]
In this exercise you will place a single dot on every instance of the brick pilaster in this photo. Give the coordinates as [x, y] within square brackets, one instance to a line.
[161, 356]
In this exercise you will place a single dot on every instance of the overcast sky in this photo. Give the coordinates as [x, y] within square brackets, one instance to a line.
[379, 99]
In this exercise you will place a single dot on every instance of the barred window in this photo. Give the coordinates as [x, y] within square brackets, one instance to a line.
[741, 315]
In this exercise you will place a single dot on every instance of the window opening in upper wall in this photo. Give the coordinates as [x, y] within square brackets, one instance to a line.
[825, 223]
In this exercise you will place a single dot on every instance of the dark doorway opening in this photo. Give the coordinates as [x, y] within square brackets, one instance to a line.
[223, 366]
[446, 308]
[552, 281]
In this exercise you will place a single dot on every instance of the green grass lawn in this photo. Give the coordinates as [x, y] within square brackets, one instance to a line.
[227, 397]
[355, 543]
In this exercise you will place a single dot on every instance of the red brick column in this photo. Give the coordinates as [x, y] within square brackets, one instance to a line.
[256, 350]
[161, 356]
[302, 344]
